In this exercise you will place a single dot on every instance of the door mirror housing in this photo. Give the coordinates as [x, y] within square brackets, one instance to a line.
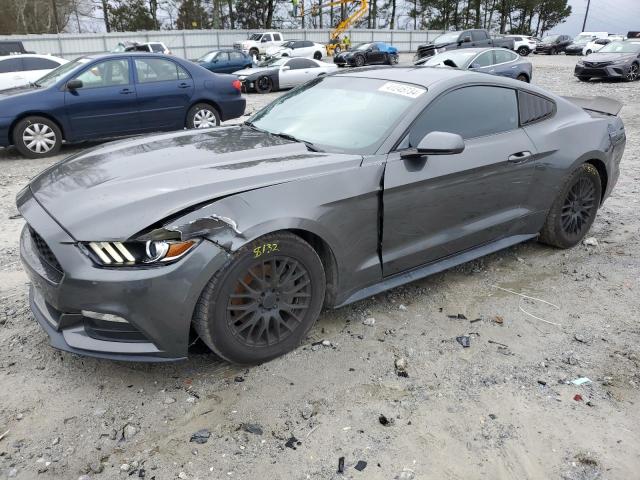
[466, 39]
[436, 143]
[74, 84]
[474, 65]
[284, 68]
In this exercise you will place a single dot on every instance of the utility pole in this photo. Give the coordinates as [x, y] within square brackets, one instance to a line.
[586, 14]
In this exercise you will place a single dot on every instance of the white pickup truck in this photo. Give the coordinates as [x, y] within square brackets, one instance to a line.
[258, 43]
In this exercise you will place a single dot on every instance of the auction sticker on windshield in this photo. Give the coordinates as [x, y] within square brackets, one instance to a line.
[402, 89]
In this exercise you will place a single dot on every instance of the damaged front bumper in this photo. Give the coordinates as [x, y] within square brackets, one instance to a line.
[134, 314]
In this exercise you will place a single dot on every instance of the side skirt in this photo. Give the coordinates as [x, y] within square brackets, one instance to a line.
[435, 267]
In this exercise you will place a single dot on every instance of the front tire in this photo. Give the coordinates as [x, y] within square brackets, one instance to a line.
[358, 61]
[317, 56]
[633, 74]
[203, 115]
[264, 84]
[262, 303]
[553, 51]
[574, 209]
[37, 137]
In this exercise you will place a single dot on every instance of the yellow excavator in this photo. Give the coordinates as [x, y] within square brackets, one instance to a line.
[337, 42]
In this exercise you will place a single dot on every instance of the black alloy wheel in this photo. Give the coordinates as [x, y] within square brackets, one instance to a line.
[263, 302]
[523, 51]
[359, 61]
[552, 51]
[574, 209]
[264, 84]
[317, 55]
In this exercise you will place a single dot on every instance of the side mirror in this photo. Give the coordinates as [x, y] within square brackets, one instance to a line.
[74, 84]
[436, 143]
[466, 39]
[264, 40]
[284, 68]
[474, 65]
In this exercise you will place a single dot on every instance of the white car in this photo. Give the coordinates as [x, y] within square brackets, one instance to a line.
[283, 72]
[151, 47]
[19, 70]
[299, 48]
[523, 44]
[598, 43]
[258, 43]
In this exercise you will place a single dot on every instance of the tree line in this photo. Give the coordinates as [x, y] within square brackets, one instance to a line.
[52, 16]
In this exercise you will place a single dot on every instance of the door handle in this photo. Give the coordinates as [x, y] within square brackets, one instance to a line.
[126, 91]
[520, 157]
[183, 85]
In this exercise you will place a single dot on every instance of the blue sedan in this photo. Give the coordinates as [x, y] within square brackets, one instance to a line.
[496, 61]
[225, 61]
[115, 95]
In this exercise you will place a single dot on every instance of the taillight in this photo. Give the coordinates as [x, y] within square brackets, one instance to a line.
[237, 85]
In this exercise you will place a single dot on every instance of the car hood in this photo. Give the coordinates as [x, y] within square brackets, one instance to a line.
[21, 90]
[117, 190]
[608, 57]
[250, 71]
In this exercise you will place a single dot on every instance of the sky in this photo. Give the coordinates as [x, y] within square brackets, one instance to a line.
[612, 16]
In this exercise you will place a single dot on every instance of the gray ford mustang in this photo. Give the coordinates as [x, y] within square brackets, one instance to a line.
[347, 186]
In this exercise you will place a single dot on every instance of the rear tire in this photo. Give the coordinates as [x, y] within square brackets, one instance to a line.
[317, 56]
[254, 52]
[523, 78]
[523, 51]
[574, 209]
[203, 115]
[358, 61]
[262, 303]
[37, 137]
[264, 84]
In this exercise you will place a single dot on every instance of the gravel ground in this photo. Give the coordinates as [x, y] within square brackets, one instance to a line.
[503, 408]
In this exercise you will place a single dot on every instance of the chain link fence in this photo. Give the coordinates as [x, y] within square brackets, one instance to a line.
[192, 44]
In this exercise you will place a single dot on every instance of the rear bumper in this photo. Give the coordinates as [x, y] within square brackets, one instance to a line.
[610, 71]
[231, 109]
[157, 304]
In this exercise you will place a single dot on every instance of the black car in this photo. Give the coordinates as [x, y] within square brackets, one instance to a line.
[553, 44]
[11, 47]
[615, 60]
[373, 53]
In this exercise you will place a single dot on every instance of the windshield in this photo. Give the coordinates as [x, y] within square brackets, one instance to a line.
[550, 39]
[459, 57]
[274, 62]
[449, 37]
[207, 57]
[363, 46]
[53, 76]
[621, 47]
[582, 38]
[289, 44]
[340, 114]
[255, 36]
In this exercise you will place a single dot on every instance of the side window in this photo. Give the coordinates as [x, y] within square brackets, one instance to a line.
[534, 108]
[375, 47]
[222, 57]
[297, 45]
[477, 35]
[307, 43]
[236, 56]
[11, 65]
[33, 63]
[105, 74]
[266, 37]
[470, 112]
[277, 37]
[517, 39]
[483, 60]
[157, 47]
[503, 55]
[158, 70]
[299, 63]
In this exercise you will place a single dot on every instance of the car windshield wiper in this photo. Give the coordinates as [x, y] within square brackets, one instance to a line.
[286, 136]
[35, 84]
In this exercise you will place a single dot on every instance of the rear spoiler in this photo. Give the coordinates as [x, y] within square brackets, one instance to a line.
[597, 104]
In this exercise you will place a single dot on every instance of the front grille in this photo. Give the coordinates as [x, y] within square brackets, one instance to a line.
[44, 252]
[596, 64]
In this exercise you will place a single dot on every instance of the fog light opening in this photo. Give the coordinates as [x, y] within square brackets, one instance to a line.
[106, 317]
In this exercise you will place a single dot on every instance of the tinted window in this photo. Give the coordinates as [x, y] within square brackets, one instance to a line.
[157, 47]
[517, 39]
[11, 65]
[470, 112]
[277, 37]
[534, 108]
[236, 56]
[158, 70]
[300, 63]
[106, 74]
[502, 56]
[31, 63]
[477, 35]
[307, 43]
[484, 60]
[222, 56]
[266, 38]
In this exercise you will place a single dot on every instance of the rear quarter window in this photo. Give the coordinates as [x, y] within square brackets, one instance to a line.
[534, 108]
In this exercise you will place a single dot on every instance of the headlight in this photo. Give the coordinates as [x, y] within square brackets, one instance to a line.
[136, 253]
[581, 63]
